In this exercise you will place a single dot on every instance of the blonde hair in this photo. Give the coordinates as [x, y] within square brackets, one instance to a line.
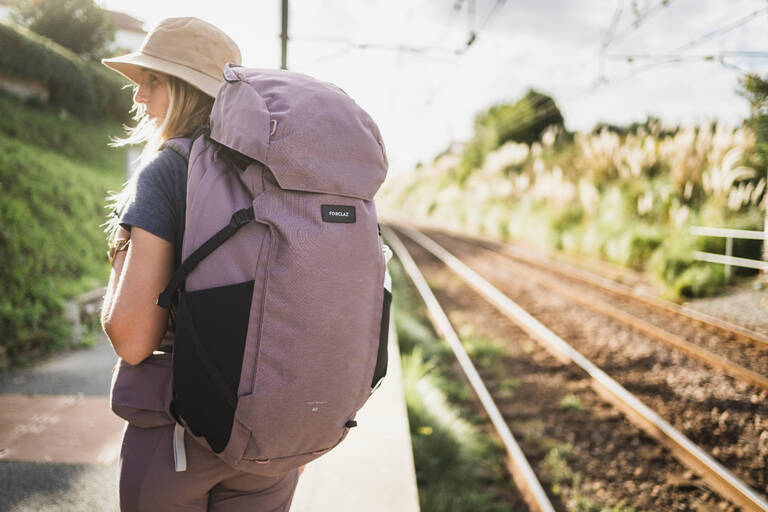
[188, 109]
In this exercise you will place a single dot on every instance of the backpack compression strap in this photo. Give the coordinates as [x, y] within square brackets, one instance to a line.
[239, 219]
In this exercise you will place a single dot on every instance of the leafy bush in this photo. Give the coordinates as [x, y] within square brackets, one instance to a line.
[635, 246]
[51, 244]
[567, 216]
[70, 137]
[82, 88]
[672, 258]
[700, 279]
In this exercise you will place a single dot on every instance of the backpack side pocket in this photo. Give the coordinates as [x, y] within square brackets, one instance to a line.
[382, 356]
[211, 331]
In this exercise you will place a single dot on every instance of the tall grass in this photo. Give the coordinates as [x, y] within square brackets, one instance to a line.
[629, 199]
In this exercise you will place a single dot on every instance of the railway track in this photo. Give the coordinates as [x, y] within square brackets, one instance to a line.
[737, 351]
[686, 452]
[727, 416]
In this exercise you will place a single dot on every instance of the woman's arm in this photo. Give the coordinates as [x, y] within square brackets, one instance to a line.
[133, 322]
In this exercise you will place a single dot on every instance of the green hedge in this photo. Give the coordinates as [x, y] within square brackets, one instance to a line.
[82, 88]
[51, 244]
[73, 138]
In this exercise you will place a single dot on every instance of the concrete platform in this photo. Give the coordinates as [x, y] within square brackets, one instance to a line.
[372, 469]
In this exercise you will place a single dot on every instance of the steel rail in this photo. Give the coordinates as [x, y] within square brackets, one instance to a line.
[627, 292]
[607, 284]
[691, 349]
[518, 465]
[689, 454]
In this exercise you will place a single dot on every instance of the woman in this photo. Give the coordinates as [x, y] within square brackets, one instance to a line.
[177, 73]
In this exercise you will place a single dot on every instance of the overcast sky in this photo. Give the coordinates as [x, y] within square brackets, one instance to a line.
[423, 99]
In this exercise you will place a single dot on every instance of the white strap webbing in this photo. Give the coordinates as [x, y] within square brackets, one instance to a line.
[387, 256]
[179, 452]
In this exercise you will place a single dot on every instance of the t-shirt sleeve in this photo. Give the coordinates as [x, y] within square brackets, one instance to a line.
[157, 205]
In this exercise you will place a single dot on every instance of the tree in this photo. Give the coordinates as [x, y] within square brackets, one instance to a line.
[523, 121]
[755, 89]
[79, 25]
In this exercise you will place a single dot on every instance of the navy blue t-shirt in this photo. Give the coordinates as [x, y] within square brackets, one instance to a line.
[159, 200]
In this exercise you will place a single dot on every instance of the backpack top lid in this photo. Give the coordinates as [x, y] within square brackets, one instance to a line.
[309, 133]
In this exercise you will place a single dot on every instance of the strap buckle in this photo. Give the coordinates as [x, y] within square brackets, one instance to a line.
[241, 217]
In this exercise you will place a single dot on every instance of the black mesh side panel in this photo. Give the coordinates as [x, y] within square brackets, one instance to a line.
[382, 357]
[207, 358]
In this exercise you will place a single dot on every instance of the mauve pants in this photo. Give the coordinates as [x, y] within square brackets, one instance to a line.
[149, 483]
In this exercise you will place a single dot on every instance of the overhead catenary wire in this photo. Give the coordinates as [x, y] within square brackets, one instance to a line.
[608, 37]
[455, 9]
[720, 31]
[474, 29]
[471, 21]
[641, 64]
[413, 49]
[374, 46]
[643, 68]
[610, 33]
[640, 18]
[750, 54]
[676, 55]
[491, 13]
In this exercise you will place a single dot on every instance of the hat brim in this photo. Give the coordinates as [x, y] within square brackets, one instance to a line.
[130, 66]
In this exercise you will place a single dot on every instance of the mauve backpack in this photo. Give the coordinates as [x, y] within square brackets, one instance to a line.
[281, 328]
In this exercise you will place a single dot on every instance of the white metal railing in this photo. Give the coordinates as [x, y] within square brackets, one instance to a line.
[728, 259]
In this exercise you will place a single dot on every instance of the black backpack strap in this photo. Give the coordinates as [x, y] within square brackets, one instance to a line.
[239, 219]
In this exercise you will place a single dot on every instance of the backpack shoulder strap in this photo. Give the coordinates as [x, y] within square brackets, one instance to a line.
[180, 145]
[183, 145]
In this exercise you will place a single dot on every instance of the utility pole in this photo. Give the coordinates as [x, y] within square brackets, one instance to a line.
[284, 37]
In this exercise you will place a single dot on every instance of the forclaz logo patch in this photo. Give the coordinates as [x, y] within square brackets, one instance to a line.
[337, 213]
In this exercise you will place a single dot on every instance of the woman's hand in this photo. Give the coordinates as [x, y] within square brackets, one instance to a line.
[133, 322]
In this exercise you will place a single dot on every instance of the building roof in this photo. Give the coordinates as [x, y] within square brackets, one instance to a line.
[123, 21]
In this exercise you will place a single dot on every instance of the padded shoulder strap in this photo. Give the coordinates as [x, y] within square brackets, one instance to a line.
[180, 145]
[183, 145]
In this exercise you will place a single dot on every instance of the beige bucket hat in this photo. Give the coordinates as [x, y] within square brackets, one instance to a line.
[188, 48]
